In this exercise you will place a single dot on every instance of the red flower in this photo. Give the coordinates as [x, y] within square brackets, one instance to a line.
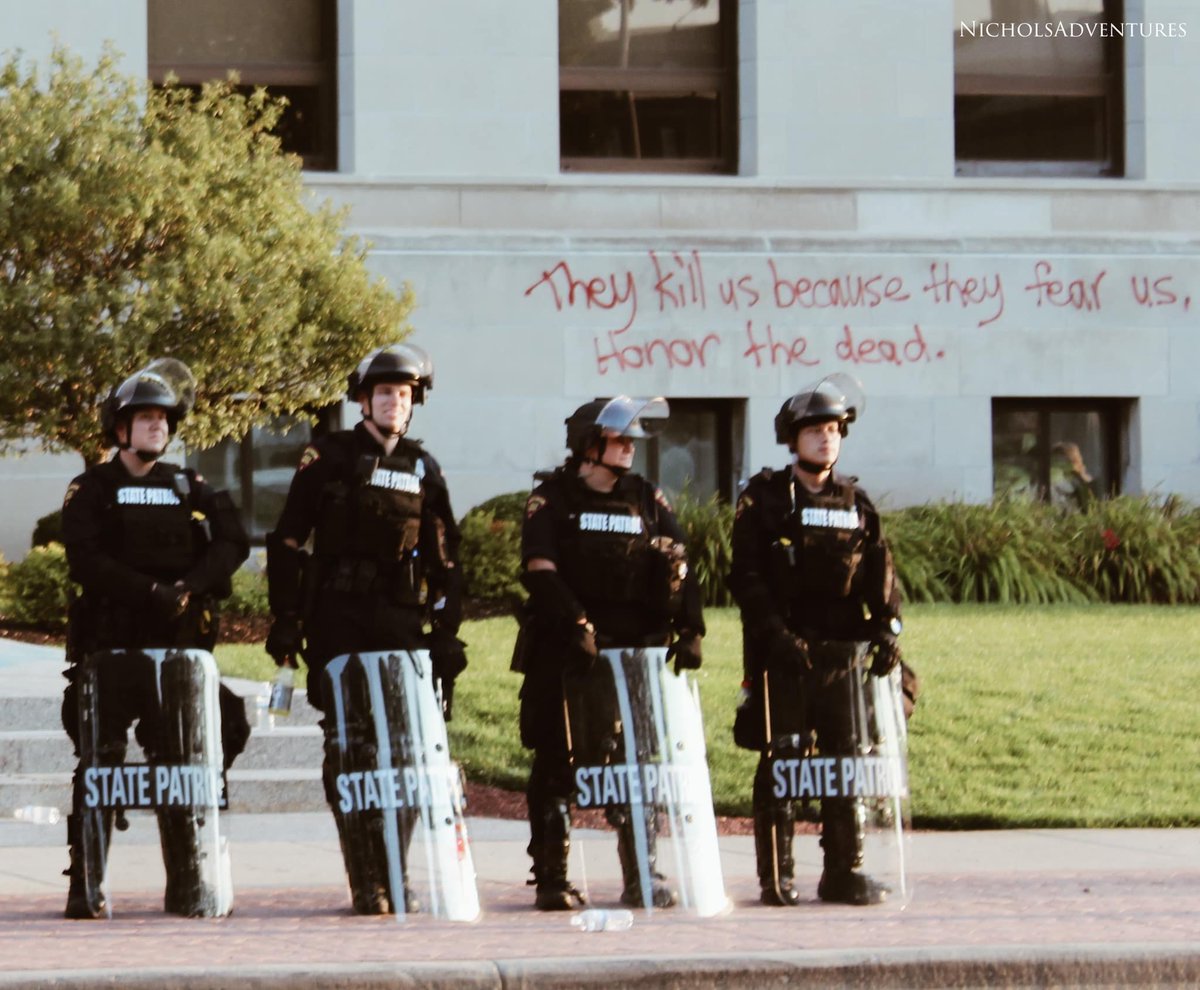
[1111, 540]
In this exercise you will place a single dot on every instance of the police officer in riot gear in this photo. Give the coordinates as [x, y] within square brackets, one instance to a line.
[152, 548]
[383, 574]
[591, 590]
[812, 575]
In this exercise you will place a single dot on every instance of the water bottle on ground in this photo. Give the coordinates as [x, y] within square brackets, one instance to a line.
[603, 920]
[281, 691]
[36, 814]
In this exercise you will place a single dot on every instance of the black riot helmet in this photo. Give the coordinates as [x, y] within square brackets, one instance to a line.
[838, 398]
[393, 363]
[626, 417]
[165, 383]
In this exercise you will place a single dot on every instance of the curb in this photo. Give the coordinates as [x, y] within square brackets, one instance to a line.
[1169, 964]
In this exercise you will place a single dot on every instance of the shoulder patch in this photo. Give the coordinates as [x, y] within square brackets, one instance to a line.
[72, 488]
[661, 499]
[533, 504]
[310, 455]
[744, 502]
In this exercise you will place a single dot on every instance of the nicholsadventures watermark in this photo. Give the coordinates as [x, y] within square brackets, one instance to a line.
[1072, 29]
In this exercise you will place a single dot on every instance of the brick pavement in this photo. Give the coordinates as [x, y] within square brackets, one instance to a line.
[1103, 925]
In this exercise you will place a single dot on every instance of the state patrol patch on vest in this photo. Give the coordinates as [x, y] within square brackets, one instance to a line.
[147, 496]
[608, 522]
[823, 518]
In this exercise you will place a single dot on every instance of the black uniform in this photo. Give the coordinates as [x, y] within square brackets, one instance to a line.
[609, 572]
[124, 535]
[384, 564]
[385, 549]
[815, 567]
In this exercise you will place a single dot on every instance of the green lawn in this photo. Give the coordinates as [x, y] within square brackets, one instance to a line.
[1029, 716]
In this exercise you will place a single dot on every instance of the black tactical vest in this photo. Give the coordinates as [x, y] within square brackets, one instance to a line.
[820, 551]
[604, 544]
[376, 518]
[152, 530]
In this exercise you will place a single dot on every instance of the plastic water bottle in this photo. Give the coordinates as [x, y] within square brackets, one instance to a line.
[281, 691]
[262, 701]
[37, 814]
[603, 920]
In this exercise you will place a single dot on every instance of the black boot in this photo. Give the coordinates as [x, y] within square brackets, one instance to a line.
[774, 825]
[550, 848]
[88, 843]
[842, 840]
[661, 893]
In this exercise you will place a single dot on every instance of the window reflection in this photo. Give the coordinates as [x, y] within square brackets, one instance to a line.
[1063, 451]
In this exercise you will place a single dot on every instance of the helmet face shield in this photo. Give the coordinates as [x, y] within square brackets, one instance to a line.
[165, 383]
[837, 397]
[635, 418]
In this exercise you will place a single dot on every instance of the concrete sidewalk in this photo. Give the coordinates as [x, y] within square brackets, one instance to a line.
[1013, 908]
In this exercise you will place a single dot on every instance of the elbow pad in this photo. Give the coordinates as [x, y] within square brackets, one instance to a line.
[550, 596]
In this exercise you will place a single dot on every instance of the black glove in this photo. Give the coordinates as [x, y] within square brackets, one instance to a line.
[886, 655]
[284, 640]
[788, 652]
[685, 651]
[448, 655]
[580, 654]
[170, 600]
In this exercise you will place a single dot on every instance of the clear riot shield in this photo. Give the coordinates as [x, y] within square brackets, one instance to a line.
[182, 780]
[637, 750]
[838, 739]
[396, 795]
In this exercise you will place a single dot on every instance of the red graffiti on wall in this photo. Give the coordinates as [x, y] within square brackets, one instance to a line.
[599, 291]
[679, 282]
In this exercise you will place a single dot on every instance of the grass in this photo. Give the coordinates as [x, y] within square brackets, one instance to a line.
[1029, 716]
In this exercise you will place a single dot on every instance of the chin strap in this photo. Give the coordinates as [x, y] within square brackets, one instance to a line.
[617, 470]
[812, 467]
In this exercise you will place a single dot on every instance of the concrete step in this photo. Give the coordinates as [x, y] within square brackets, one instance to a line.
[45, 712]
[251, 791]
[49, 750]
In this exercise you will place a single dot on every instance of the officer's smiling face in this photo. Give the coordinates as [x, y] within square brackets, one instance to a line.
[390, 406]
[819, 443]
[149, 430]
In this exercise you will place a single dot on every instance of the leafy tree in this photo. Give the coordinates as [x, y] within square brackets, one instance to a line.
[138, 222]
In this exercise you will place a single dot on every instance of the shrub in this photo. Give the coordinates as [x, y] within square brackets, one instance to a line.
[1133, 550]
[38, 588]
[249, 594]
[48, 529]
[1126, 549]
[708, 531]
[491, 549]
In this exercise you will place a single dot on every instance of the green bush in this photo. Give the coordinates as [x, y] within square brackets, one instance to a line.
[491, 549]
[249, 594]
[37, 588]
[48, 529]
[1126, 549]
[708, 531]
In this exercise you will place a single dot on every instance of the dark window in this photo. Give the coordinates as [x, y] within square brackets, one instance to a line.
[287, 46]
[1064, 451]
[697, 451]
[1038, 87]
[648, 86]
[257, 470]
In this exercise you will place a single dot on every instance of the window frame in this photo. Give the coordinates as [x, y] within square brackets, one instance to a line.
[643, 81]
[1110, 87]
[1115, 415]
[321, 75]
[730, 419]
